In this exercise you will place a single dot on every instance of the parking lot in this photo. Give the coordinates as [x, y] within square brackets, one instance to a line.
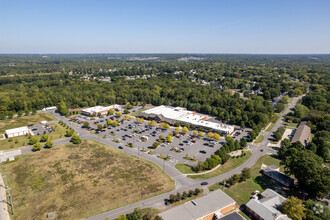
[39, 129]
[130, 131]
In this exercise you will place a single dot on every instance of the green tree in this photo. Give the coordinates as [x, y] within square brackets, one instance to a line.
[155, 144]
[217, 136]
[316, 210]
[294, 208]
[37, 146]
[185, 129]
[166, 126]
[122, 217]
[86, 124]
[33, 140]
[99, 127]
[44, 138]
[49, 143]
[246, 174]
[114, 123]
[76, 139]
[27, 112]
[69, 133]
[136, 215]
[111, 111]
[242, 142]
[308, 169]
[129, 106]
[61, 108]
[176, 124]
[169, 138]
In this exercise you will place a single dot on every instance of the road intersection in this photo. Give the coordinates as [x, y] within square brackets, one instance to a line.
[182, 183]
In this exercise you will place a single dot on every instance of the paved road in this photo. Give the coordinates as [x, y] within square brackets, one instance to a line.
[181, 182]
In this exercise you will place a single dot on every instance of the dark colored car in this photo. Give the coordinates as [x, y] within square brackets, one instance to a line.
[203, 151]
[204, 183]
[120, 147]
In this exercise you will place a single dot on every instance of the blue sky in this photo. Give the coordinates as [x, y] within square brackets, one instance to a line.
[165, 26]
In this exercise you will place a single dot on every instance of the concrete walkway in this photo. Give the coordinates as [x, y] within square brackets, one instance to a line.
[4, 215]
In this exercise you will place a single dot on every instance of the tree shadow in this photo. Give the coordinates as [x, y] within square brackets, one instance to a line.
[264, 182]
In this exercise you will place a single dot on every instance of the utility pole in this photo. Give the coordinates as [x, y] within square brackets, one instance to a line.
[8, 190]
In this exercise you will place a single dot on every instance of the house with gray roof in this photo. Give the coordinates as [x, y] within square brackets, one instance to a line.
[266, 208]
[302, 134]
[212, 206]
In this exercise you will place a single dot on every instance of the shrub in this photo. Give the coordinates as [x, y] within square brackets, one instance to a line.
[37, 146]
[76, 139]
[44, 138]
[49, 144]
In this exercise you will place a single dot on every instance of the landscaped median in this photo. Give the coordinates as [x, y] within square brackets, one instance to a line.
[232, 163]
[81, 180]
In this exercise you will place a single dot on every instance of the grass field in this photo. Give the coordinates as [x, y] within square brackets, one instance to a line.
[183, 168]
[273, 120]
[24, 121]
[79, 181]
[17, 142]
[232, 163]
[293, 125]
[242, 192]
[259, 139]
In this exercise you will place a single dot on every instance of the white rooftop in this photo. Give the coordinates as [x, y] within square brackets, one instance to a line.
[16, 130]
[100, 108]
[181, 114]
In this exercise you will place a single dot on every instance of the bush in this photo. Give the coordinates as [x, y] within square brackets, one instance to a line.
[37, 146]
[190, 193]
[49, 144]
[33, 140]
[278, 134]
[76, 139]
[44, 138]
[172, 198]
[69, 133]
[197, 191]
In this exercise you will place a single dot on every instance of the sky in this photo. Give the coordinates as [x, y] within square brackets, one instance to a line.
[165, 26]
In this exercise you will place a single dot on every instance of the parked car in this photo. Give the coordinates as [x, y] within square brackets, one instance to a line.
[204, 183]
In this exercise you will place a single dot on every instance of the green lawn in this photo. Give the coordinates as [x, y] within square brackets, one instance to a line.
[259, 139]
[273, 120]
[242, 192]
[232, 163]
[17, 142]
[183, 168]
[291, 124]
[24, 121]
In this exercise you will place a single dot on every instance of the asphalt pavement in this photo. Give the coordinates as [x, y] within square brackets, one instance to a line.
[182, 183]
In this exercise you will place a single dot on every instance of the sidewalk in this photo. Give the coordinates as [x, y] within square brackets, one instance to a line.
[4, 215]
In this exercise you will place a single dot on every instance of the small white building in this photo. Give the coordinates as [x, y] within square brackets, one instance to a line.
[99, 109]
[15, 132]
[49, 108]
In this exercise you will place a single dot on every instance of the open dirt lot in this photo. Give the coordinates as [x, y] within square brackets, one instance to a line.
[80, 180]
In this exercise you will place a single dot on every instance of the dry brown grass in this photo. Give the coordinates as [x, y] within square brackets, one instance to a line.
[80, 181]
